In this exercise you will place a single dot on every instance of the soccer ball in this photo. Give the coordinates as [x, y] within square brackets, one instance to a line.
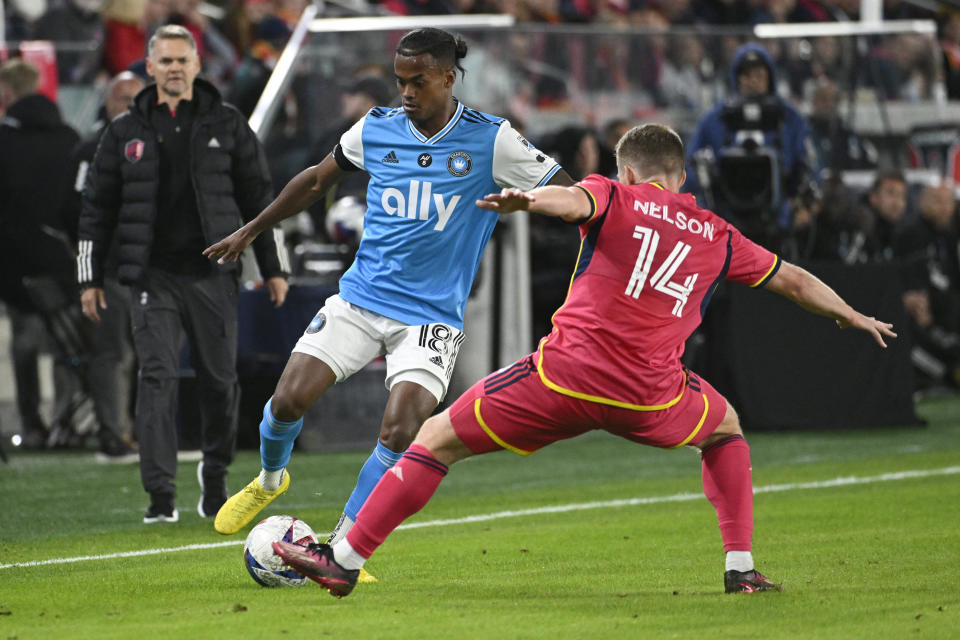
[264, 565]
[344, 221]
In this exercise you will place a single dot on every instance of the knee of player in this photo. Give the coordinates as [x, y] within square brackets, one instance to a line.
[397, 431]
[729, 426]
[287, 406]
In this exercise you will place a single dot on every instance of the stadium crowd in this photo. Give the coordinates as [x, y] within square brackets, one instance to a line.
[669, 71]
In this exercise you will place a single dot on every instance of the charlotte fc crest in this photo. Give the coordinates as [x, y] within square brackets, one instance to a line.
[133, 150]
[317, 323]
[459, 163]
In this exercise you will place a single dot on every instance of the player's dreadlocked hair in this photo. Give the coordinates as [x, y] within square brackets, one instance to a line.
[446, 48]
[650, 149]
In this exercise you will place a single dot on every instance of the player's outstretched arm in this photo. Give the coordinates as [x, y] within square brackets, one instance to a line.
[303, 190]
[812, 294]
[569, 203]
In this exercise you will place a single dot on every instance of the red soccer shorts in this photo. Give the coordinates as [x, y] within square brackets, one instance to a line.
[512, 409]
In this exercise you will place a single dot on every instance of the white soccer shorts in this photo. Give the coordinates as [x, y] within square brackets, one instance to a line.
[348, 337]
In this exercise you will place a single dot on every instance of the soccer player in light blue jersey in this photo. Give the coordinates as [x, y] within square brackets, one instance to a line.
[429, 162]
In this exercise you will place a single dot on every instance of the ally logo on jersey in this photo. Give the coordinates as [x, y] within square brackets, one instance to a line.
[418, 202]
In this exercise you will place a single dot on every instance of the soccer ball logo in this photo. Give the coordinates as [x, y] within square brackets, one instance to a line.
[264, 565]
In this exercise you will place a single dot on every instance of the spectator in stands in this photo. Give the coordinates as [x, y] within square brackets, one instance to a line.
[76, 23]
[929, 251]
[19, 17]
[882, 210]
[613, 130]
[949, 25]
[688, 74]
[901, 66]
[128, 25]
[240, 24]
[821, 60]
[838, 147]
[112, 370]
[217, 56]
[358, 98]
[35, 180]
[647, 55]
[734, 135]
[271, 34]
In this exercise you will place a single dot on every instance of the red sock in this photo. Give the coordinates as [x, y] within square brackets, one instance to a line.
[402, 491]
[728, 485]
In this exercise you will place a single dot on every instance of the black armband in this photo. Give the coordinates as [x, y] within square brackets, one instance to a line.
[342, 161]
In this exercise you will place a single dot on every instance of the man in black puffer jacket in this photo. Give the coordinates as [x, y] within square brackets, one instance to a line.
[177, 172]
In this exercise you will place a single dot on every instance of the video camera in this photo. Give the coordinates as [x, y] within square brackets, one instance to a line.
[743, 180]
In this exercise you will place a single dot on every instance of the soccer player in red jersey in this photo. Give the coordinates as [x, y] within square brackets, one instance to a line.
[650, 259]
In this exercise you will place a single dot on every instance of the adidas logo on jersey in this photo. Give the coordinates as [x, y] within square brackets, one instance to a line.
[390, 158]
[437, 360]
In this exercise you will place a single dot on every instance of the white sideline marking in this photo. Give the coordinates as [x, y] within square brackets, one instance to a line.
[605, 504]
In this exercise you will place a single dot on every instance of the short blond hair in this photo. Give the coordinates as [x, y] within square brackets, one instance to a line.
[651, 149]
[170, 32]
[20, 76]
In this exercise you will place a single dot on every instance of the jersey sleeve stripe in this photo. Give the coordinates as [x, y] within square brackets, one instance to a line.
[550, 174]
[769, 274]
[598, 399]
[696, 430]
[493, 436]
[593, 202]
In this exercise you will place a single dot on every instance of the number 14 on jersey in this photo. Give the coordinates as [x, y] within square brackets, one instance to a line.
[662, 277]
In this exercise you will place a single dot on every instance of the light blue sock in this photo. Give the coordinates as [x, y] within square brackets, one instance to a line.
[373, 469]
[276, 439]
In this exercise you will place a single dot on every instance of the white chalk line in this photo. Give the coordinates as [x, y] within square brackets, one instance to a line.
[604, 504]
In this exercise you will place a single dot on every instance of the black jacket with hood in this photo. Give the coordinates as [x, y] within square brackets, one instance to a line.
[36, 176]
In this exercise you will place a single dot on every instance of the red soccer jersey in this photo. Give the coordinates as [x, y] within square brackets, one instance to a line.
[649, 261]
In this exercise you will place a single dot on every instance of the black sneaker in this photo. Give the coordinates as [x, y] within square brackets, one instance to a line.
[213, 491]
[748, 582]
[161, 509]
[316, 562]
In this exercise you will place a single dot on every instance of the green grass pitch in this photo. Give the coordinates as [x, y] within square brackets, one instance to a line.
[606, 539]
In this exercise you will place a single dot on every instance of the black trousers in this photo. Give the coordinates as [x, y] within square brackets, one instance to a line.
[164, 309]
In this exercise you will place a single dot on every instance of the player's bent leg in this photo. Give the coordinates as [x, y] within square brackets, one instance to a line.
[728, 484]
[304, 379]
[402, 492]
[407, 407]
[439, 438]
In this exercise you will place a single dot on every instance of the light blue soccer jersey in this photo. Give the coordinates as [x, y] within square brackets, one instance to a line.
[423, 236]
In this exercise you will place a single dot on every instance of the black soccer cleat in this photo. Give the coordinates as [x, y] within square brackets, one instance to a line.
[748, 582]
[316, 562]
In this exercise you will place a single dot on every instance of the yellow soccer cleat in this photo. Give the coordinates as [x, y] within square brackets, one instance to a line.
[244, 506]
[365, 577]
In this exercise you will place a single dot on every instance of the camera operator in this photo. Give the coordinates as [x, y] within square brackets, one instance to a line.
[750, 158]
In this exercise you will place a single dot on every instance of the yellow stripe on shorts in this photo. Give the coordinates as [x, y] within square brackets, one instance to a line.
[703, 418]
[493, 436]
